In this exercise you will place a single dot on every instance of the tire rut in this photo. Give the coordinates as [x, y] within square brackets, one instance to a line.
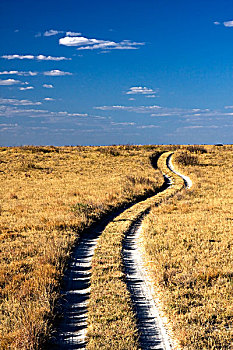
[152, 332]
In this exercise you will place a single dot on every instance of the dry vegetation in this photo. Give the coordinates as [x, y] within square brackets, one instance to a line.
[48, 196]
[189, 241]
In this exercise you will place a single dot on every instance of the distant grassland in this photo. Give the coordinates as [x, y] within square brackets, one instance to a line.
[189, 243]
[48, 196]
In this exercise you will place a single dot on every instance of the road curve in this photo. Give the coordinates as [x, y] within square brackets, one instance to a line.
[187, 181]
[72, 326]
[152, 331]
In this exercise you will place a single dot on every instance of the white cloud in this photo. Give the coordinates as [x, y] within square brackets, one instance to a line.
[48, 86]
[56, 73]
[139, 90]
[158, 111]
[26, 88]
[9, 82]
[94, 44]
[32, 57]
[200, 127]
[73, 34]
[123, 123]
[151, 96]
[20, 57]
[147, 126]
[15, 102]
[52, 32]
[15, 72]
[49, 99]
[13, 110]
[228, 24]
[31, 74]
[131, 99]
[9, 72]
[50, 58]
[76, 114]
[138, 109]
[4, 124]
[217, 23]
[77, 41]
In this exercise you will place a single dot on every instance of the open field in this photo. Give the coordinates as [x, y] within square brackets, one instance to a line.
[188, 241]
[48, 196]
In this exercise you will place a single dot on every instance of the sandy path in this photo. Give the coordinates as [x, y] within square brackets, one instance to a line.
[72, 326]
[152, 331]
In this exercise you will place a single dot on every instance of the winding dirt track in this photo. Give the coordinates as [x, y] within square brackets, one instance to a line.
[152, 332]
[72, 326]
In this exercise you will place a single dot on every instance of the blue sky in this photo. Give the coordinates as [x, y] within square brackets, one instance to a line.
[116, 72]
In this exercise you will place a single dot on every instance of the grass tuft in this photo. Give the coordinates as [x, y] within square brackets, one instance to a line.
[186, 158]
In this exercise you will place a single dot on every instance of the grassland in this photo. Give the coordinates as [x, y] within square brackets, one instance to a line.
[48, 196]
[188, 242]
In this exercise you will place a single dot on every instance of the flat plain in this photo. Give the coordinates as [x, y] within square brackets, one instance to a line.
[50, 195]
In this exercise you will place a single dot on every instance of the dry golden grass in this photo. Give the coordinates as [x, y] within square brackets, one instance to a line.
[48, 196]
[189, 242]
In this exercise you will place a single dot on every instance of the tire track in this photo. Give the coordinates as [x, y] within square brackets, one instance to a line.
[71, 323]
[152, 332]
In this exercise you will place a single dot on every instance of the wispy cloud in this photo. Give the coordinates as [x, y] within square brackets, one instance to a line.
[158, 111]
[137, 109]
[9, 111]
[49, 99]
[15, 102]
[26, 88]
[56, 73]
[9, 82]
[20, 57]
[217, 23]
[200, 127]
[15, 72]
[50, 58]
[228, 24]
[48, 86]
[73, 34]
[139, 90]
[32, 57]
[84, 43]
[123, 123]
[151, 126]
[52, 32]
[76, 114]
[13, 107]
